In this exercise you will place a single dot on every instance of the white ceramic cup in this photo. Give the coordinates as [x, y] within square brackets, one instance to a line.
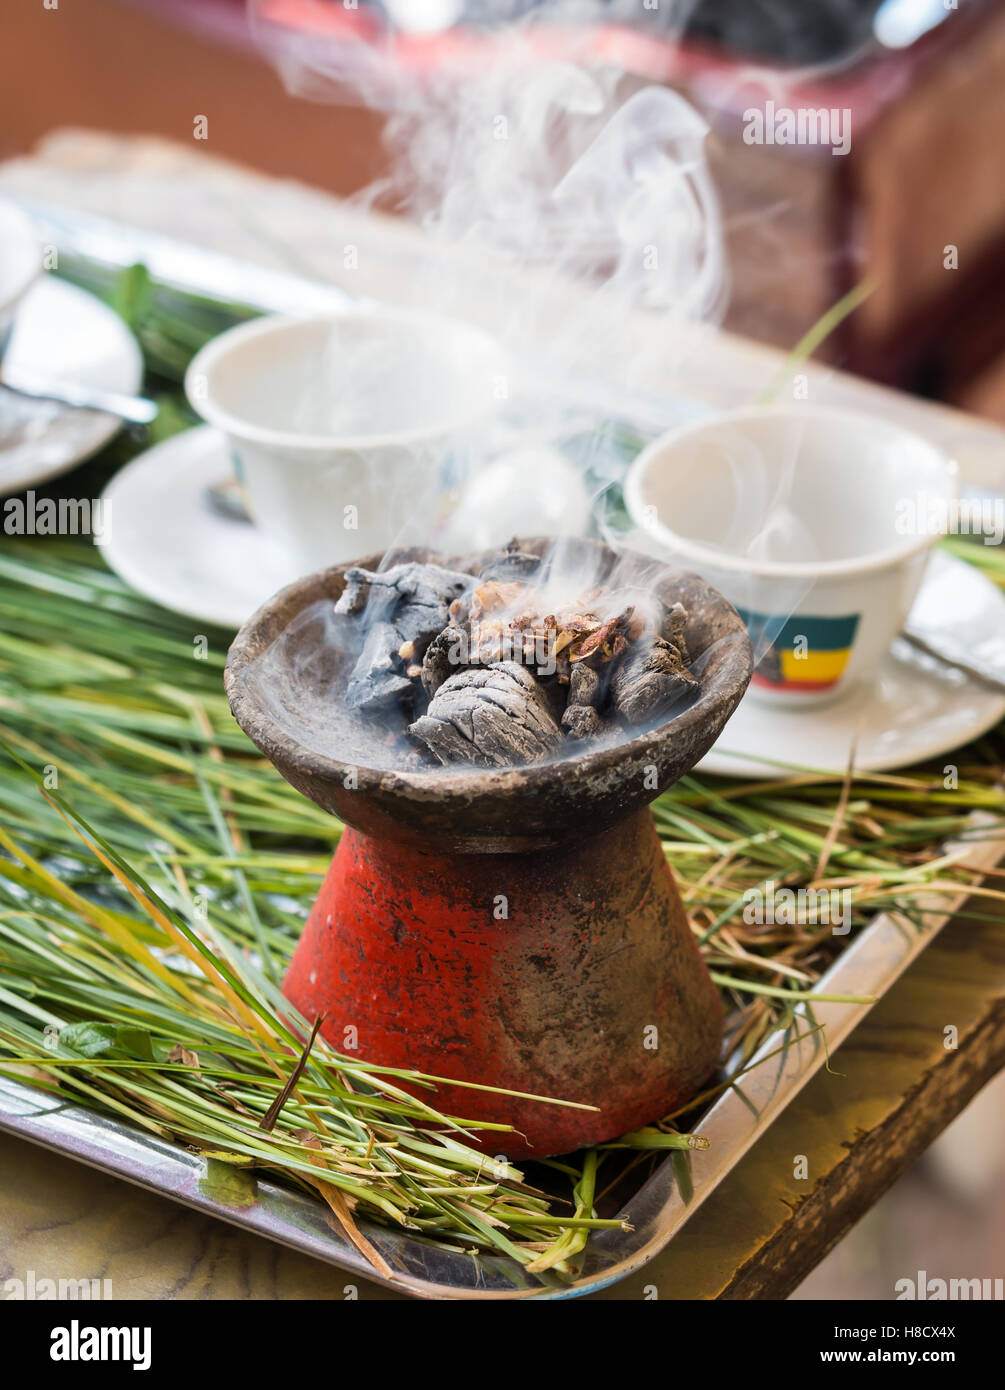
[343, 426]
[815, 522]
[20, 264]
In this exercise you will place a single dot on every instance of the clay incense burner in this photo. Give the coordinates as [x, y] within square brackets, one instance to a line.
[587, 985]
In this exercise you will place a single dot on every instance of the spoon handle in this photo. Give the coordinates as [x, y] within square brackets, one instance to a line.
[136, 409]
[988, 670]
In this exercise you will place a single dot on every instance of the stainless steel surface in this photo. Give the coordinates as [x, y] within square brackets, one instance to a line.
[135, 409]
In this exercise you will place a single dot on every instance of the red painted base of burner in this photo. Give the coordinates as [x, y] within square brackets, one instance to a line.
[570, 973]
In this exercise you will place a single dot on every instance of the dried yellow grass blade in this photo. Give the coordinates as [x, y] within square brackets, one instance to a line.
[105, 921]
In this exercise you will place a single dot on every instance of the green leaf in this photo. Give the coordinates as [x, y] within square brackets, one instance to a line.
[98, 1039]
[131, 296]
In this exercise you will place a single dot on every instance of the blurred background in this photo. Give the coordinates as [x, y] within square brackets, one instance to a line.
[925, 81]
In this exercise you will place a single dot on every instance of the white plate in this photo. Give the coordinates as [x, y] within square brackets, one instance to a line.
[163, 537]
[64, 332]
[914, 708]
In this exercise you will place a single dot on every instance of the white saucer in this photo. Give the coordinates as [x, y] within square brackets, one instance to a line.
[65, 333]
[914, 708]
[165, 539]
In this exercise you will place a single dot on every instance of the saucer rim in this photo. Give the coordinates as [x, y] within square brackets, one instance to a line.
[213, 445]
[17, 480]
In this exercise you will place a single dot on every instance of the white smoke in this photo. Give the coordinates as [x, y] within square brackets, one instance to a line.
[555, 192]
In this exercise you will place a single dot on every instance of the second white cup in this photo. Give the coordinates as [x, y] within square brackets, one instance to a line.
[815, 522]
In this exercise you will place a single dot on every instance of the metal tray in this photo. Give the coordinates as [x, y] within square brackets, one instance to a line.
[869, 964]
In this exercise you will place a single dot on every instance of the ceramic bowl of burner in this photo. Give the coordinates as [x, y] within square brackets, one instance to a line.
[479, 810]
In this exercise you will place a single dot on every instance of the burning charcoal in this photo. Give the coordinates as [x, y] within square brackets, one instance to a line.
[511, 564]
[555, 692]
[445, 655]
[586, 691]
[582, 721]
[649, 680]
[377, 676]
[356, 592]
[585, 685]
[674, 623]
[494, 716]
[404, 607]
[416, 597]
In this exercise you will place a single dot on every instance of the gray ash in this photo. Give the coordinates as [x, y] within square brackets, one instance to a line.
[493, 716]
[405, 607]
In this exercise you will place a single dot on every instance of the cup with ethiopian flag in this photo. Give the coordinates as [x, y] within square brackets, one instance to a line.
[815, 522]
